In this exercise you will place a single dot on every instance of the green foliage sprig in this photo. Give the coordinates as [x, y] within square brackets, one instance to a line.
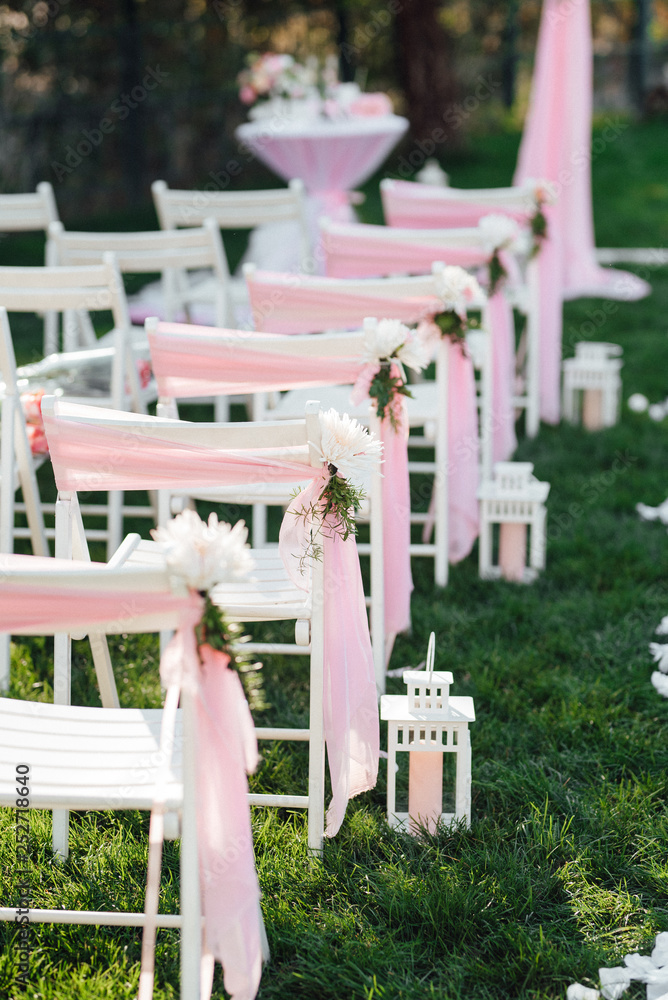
[215, 631]
[497, 273]
[333, 513]
[538, 229]
[384, 388]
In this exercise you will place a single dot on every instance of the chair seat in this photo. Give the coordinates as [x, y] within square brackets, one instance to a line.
[267, 595]
[85, 758]
[422, 407]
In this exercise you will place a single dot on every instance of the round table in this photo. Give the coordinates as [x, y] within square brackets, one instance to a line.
[330, 156]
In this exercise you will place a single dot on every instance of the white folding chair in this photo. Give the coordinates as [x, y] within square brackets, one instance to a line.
[270, 595]
[235, 210]
[28, 213]
[313, 301]
[277, 362]
[101, 758]
[437, 209]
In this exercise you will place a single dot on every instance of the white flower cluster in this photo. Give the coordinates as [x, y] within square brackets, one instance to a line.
[650, 969]
[498, 232]
[390, 338]
[347, 445]
[203, 555]
[659, 513]
[457, 289]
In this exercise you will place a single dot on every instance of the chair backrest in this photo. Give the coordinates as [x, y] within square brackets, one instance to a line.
[146, 252]
[78, 290]
[28, 212]
[172, 253]
[231, 209]
[292, 304]
[375, 251]
[410, 204]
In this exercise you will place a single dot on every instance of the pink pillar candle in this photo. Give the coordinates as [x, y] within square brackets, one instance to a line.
[592, 409]
[512, 551]
[425, 790]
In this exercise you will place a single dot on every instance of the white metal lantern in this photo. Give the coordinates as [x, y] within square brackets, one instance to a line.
[515, 500]
[595, 373]
[427, 723]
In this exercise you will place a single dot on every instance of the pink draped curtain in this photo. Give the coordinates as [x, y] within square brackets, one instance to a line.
[557, 147]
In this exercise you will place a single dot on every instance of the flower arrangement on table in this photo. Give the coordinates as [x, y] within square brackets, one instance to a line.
[276, 82]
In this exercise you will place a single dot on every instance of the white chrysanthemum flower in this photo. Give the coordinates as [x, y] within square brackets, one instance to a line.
[416, 352]
[347, 445]
[456, 288]
[662, 627]
[660, 682]
[383, 339]
[637, 403]
[204, 554]
[392, 338]
[659, 651]
[498, 232]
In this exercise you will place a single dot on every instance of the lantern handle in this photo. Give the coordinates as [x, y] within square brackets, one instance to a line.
[431, 654]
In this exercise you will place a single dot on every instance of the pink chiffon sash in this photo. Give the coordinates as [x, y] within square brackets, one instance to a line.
[351, 722]
[556, 147]
[364, 251]
[504, 440]
[101, 458]
[463, 455]
[432, 211]
[281, 305]
[193, 361]
[225, 751]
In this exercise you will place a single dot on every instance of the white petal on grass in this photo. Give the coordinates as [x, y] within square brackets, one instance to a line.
[660, 683]
[660, 950]
[637, 402]
[662, 629]
[614, 982]
[659, 651]
[576, 991]
[204, 554]
[657, 411]
[659, 513]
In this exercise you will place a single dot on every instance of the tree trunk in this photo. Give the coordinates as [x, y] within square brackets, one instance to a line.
[425, 58]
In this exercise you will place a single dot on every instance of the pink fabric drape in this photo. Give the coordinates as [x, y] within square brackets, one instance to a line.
[192, 361]
[463, 455]
[557, 147]
[368, 253]
[298, 304]
[101, 458]
[225, 750]
[502, 430]
[446, 211]
[351, 723]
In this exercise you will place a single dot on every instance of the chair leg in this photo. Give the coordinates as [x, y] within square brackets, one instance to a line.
[316, 763]
[5, 660]
[60, 835]
[191, 905]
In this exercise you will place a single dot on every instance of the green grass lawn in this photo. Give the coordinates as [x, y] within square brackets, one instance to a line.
[565, 866]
